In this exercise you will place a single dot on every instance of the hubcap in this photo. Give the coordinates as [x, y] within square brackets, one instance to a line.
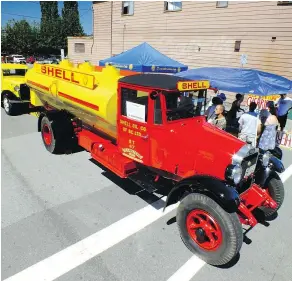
[47, 134]
[6, 104]
[204, 230]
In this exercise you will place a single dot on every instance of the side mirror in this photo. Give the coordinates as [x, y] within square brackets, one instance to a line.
[154, 95]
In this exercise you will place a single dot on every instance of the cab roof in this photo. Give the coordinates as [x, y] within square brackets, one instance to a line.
[158, 81]
[13, 66]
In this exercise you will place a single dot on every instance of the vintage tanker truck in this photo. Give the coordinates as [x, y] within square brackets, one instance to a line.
[143, 127]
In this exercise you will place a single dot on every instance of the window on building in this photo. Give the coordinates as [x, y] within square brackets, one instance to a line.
[284, 3]
[79, 48]
[172, 6]
[237, 46]
[128, 8]
[222, 4]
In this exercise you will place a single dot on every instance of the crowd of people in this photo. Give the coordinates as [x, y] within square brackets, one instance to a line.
[259, 129]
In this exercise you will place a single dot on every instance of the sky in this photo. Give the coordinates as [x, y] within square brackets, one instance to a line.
[31, 11]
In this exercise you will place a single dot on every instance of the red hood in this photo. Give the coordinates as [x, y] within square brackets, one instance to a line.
[216, 151]
[211, 148]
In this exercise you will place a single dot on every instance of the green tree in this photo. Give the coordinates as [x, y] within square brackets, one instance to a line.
[19, 37]
[70, 22]
[50, 29]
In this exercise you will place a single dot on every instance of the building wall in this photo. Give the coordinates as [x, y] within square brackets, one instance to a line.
[77, 57]
[102, 31]
[200, 34]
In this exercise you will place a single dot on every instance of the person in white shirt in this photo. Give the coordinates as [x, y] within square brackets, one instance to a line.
[284, 105]
[248, 123]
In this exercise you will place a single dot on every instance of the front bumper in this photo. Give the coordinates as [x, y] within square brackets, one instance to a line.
[251, 199]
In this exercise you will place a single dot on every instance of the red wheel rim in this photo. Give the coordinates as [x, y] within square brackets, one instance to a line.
[47, 134]
[204, 230]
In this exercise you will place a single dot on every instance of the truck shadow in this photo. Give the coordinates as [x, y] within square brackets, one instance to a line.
[130, 187]
[230, 264]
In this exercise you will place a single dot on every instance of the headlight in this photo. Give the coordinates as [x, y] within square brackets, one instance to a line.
[266, 159]
[234, 173]
[16, 88]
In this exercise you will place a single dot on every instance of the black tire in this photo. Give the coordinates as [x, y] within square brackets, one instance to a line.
[51, 135]
[276, 190]
[229, 224]
[9, 107]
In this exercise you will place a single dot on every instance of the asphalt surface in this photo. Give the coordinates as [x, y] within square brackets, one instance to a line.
[51, 202]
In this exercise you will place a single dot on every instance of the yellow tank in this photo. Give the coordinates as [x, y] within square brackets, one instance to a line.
[87, 94]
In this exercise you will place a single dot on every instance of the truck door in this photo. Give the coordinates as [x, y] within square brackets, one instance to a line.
[133, 138]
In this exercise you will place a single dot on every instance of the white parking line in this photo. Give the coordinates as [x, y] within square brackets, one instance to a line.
[77, 254]
[286, 174]
[187, 271]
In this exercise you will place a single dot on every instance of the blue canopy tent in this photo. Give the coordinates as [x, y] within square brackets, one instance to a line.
[144, 58]
[241, 80]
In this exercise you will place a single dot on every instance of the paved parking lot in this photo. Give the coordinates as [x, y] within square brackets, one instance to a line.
[65, 219]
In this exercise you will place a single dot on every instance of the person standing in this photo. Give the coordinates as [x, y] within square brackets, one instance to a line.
[248, 123]
[235, 108]
[284, 105]
[219, 121]
[268, 130]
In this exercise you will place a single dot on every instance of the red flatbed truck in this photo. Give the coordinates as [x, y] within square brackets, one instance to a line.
[158, 138]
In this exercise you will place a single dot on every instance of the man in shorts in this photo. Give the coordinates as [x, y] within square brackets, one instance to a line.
[284, 105]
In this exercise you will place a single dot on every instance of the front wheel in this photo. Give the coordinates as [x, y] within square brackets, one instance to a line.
[276, 190]
[207, 230]
[9, 107]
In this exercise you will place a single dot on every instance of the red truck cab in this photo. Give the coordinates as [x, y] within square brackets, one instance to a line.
[155, 129]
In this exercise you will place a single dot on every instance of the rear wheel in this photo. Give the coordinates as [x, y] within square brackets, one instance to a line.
[51, 139]
[209, 231]
[275, 188]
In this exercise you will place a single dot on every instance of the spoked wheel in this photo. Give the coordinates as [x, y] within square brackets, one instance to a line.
[47, 135]
[51, 135]
[57, 134]
[275, 188]
[204, 230]
[207, 230]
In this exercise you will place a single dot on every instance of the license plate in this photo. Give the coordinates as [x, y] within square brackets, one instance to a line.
[249, 170]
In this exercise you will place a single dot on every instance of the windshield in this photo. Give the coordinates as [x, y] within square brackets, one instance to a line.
[14, 72]
[181, 105]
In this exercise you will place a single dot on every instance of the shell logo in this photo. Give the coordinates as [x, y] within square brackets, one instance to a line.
[130, 66]
[153, 67]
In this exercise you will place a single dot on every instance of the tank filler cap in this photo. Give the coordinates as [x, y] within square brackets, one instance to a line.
[66, 64]
[111, 70]
[86, 66]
